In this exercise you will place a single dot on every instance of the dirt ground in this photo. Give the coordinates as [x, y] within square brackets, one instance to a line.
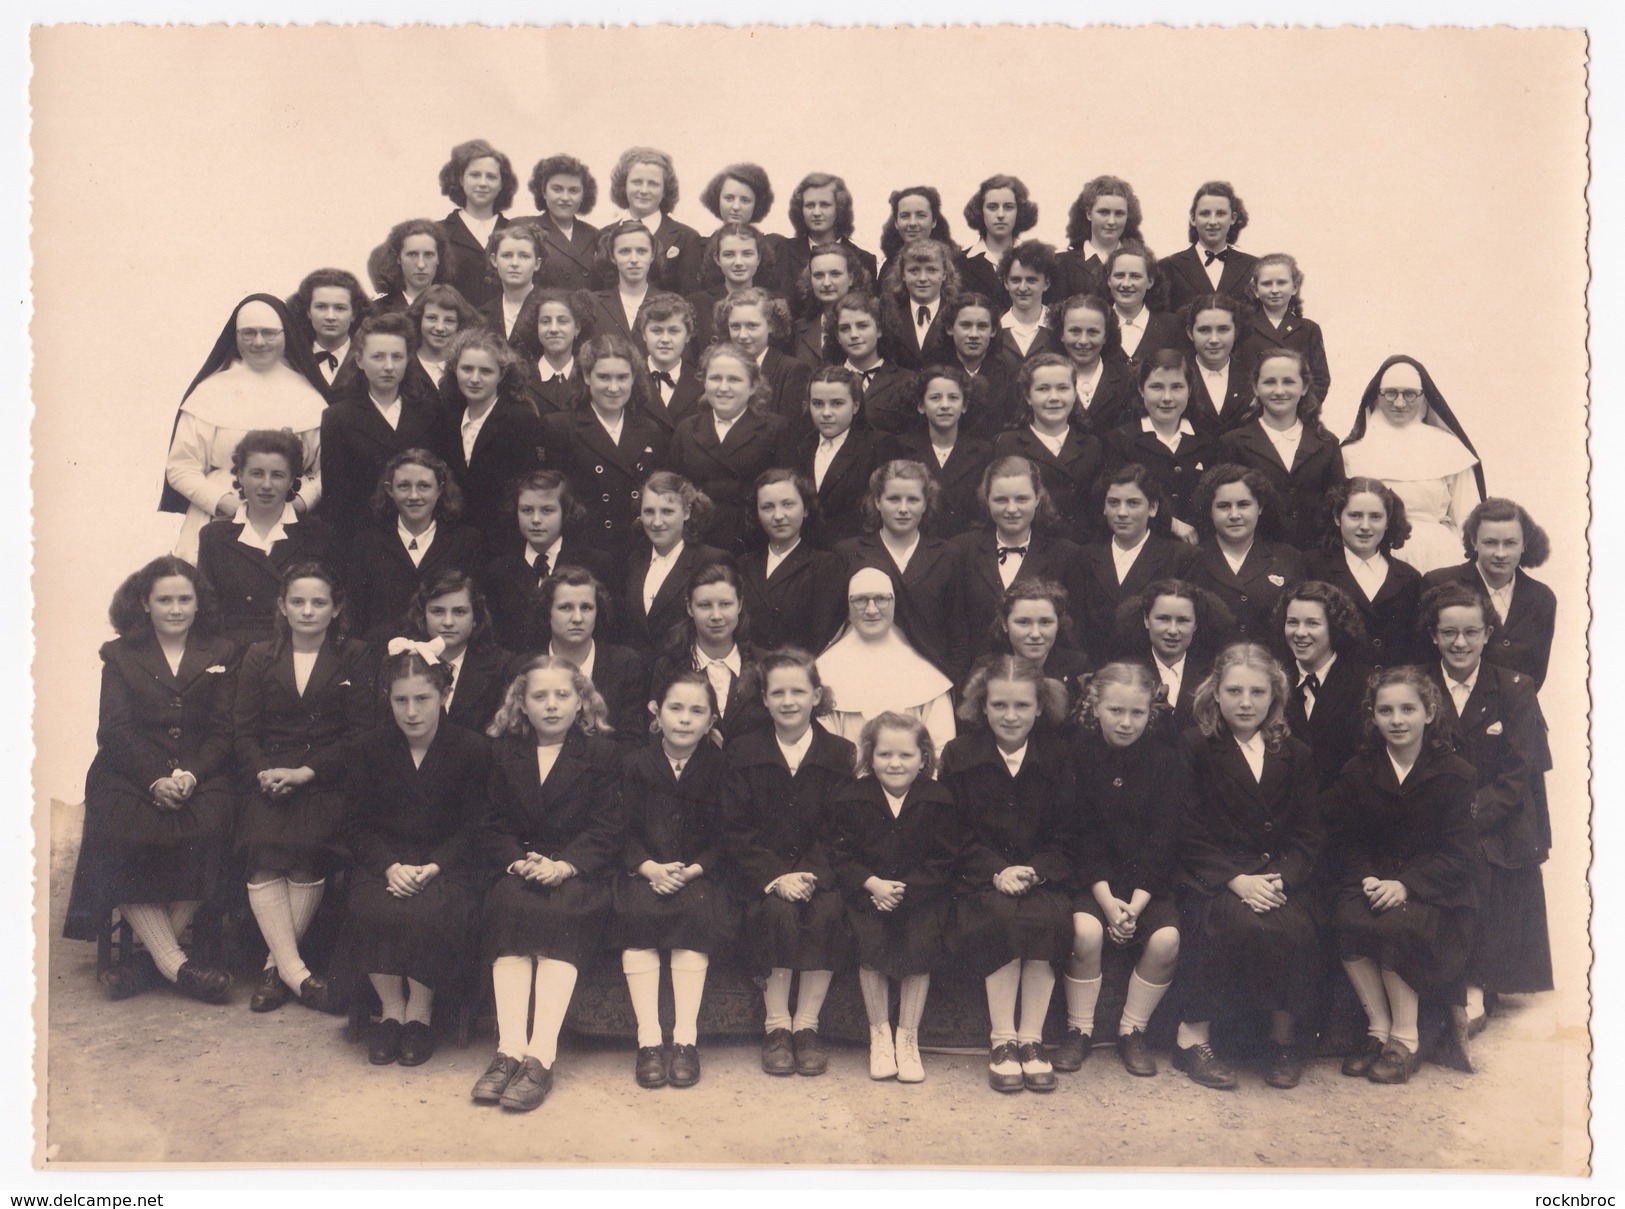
[162, 1079]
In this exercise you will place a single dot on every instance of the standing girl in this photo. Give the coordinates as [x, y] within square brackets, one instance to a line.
[1362, 522]
[1025, 274]
[449, 608]
[895, 837]
[408, 263]
[990, 365]
[839, 455]
[715, 640]
[831, 273]
[629, 257]
[1105, 213]
[552, 836]
[1085, 327]
[550, 378]
[1276, 290]
[302, 699]
[1164, 440]
[1031, 623]
[777, 800]
[1224, 389]
[737, 257]
[858, 339]
[1011, 782]
[158, 796]
[516, 254]
[415, 804]
[673, 515]
[916, 217]
[564, 190]
[1250, 849]
[1130, 280]
[915, 293]
[1067, 457]
[1321, 637]
[1134, 793]
[480, 181]
[674, 895]
[570, 621]
[437, 316]
[794, 591]
[957, 458]
[644, 184]
[1244, 570]
[820, 213]
[1210, 265]
[1000, 211]
[757, 322]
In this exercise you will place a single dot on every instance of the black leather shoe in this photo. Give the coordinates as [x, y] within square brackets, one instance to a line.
[203, 983]
[1136, 1056]
[122, 981]
[489, 1087]
[1073, 1052]
[1204, 1066]
[1009, 1078]
[417, 1043]
[1358, 1065]
[778, 1053]
[270, 992]
[811, 1056]
[1286, 1067]
[384, 1042]
[526, 1091]
[316, 992]
[1396, 1064]
[685, 1065]
[650, 1067]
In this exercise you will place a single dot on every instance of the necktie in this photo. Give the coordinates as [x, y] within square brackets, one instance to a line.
[1309, 692]
[662, 377]
[413, 544]
[1006, 551]
[541, 567]
[1212, 256]
[922, 316]
[327, 361]
[677, 767]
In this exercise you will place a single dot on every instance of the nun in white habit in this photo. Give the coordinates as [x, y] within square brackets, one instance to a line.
[870, 667]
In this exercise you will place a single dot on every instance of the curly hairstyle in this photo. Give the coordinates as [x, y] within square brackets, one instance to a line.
[1077, 218]
[547, 481]
[900, 468]
[510, 719]
[774, 309]
[386, 274]
[612, 346]
[278, 441]
[1308, 402]
[891, 241]
[570, 576]
[857, 274]
[1205, 705]
[1259, 487]
[1343, 621]
[527, 341]
[447, 298]
[866, 303]
[1050, 694]
[1031, 366]
[1537, 547]
[844, 220]
[1047, 590]
[1337, 499]
[462, 155]
[1131, 673]
[922, 380]
[1100, 306]
[329, 279]
[311, 568]
[760, 388]
[813, 512]
[450, 505]
[1046, 517]
[1295, 305]
[1214, 621]
[1455, 594]
[682, 638]
[663, 306]
[893, 289]
[604, 252]
[661, 689]
[753, 176]
[1034, 254]
[1026, 208]
[128, 613]
[699, 505]
[410, 663]
[1438, 735]
[1133, 473]
[386, 323]
[781, 658]
[766, 261]
[892, 720]
[1156, 296]
[643, 155]
[444, 583]
[1237, 210]
[563, 165]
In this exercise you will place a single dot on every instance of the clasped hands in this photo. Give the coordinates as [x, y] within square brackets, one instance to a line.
[1016, 880]
[404, 881]
[670, 877]
[172, 792]
[543, 870]
[886, 895]
[280, 782]
[1260, 891]
[795, 887]
[1384, 895]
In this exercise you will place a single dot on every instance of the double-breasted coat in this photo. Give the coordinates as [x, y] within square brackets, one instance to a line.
[727, 470]
[606, 475]
[802, 603]
[246, 580]
[1390, 616]
[1251, 593]
[1316, 468]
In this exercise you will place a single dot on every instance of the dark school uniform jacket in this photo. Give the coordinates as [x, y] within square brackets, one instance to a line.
[646, 629]
[1334, 731]
[959, 507]
[382, 578]
[276, 727]
[1177, 471]
[1133, 804]
[466, 265]
[430, 813]
[482, 683]
[1185, 278]
[1260, 336]
[569, 262]
[846, 482]
[925, 592]
[1005, 820]
[606, 476]
[1316, 468]
[511, 443]
[801, 604]
[510, 589]
[775, 823]
[357, 442]
[1523, 641]
[247, 580]
[920, 847]
[1250, 594]
[1390, 617]
[573, 817]
[727, 470]
[1068, 476]
[886, 403]
[669, 817]
[979, 590]
[1096, 594]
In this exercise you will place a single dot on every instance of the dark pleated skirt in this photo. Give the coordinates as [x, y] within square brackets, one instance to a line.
[302, 825]
[797, 936]
[526, 919]
[1514, 952]
[1424, 944]
[993, 929]
[428, 937]
[132, 851]
[1243, 961]
[906, 941]
[701, 916]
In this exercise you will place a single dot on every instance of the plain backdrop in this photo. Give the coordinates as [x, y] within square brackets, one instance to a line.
[1431, 183]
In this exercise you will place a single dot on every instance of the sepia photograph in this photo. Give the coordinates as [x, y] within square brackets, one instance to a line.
[1003, 597]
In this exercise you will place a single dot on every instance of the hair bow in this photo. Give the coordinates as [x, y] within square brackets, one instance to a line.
[429, 652]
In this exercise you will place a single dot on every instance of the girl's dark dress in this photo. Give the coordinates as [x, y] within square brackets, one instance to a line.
[673, 818]
[1243, 960]
[152, 722]
[278, 727]
[1132, 805]
[1390, 617]
[1004, 821]
[247, 580]
[401, 813]
[573, 816]
[775, 823]
[1421, 834]
[919, 848]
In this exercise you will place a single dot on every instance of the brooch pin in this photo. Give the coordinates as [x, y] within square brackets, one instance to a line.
[216, 669]
[1494, 728]
[1278, 580]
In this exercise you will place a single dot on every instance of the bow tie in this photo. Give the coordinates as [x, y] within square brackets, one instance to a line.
[665, 379]
[869, 374]
[328, 359]
[1310, 686]
[540, 567]
[1210, 257]
[1006, 551]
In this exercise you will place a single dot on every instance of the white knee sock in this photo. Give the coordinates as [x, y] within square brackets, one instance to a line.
[776, 997]
[1002, 986]
[1037, 988]
[1141, 1001]
[419, 1002]
[510, 987]
[150, 923]
[303, 899]
[810, 992]
[273, 913]
[876, 988]
[688, 967]
[182, 913]
[1192, 1034]
[1081, 996]
[642, 970]
[555, 983]
[1403, 1003]
[391, 995]
[1283, 1029]
[911, 1000]
[1366, 978]
[1475, 1002]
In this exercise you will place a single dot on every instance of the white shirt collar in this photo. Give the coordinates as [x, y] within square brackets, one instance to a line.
[669, 557]
[424, 540]
[546, 372]
[612, 427]
[552, 552]
[1320, 673]
[278, 531]
[795, 753]
[731, 660]
[1470, 683]
[773, 560]
[1252, 750]
[1014, 759]
[1123, 560]
[894, 803]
